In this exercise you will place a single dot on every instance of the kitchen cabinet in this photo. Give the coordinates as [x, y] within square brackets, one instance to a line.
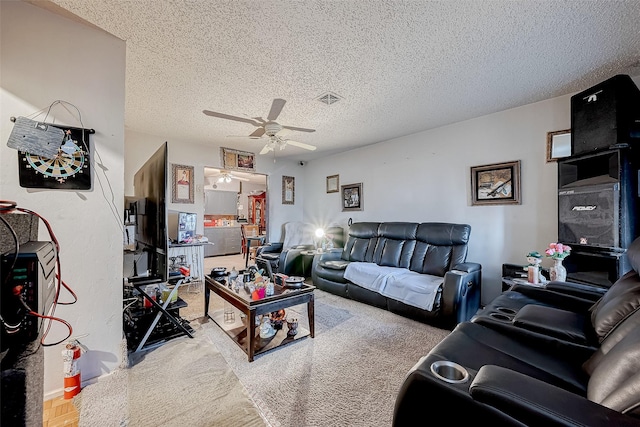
[257, 204]
[221, 203]
[226, 240]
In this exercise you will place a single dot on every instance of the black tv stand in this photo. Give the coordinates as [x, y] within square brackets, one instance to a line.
[160, 322]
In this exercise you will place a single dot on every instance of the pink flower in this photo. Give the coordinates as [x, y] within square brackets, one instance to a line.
[558, 251]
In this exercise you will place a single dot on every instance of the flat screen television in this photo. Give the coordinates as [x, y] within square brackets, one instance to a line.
[150, 192]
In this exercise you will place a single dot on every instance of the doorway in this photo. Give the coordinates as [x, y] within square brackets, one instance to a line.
[231, 201]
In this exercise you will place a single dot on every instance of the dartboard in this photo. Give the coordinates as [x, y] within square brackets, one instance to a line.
[69, 169]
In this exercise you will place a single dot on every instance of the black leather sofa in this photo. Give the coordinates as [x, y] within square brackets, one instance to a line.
[417, 270]
[557, 358]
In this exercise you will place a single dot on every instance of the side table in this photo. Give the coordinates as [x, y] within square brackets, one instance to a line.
[307, 260]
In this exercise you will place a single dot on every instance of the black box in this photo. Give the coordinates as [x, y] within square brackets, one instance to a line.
[606, 115]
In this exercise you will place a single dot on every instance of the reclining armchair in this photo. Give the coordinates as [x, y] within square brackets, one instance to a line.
[285, 257]
[282, 257]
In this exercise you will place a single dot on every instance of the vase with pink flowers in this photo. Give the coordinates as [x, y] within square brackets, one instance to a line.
[558, 252]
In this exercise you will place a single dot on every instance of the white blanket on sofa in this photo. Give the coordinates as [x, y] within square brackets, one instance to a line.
[401, 284]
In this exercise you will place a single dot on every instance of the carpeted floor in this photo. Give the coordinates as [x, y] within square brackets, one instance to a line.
[185, 382]
[348, 375]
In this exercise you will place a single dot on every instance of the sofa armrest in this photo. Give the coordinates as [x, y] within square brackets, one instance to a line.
[555, 298]
[461, 292]
[468, 267]
[269, 248]
[588, 292]
[534, 402]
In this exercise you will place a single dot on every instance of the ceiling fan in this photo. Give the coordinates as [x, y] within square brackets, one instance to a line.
[268, 128]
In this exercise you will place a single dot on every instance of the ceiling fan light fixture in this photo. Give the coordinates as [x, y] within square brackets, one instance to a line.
[271, 128]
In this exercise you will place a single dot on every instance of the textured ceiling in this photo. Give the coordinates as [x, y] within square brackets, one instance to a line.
[400, 67]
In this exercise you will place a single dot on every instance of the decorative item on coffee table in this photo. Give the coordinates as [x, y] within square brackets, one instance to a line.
[292, 324]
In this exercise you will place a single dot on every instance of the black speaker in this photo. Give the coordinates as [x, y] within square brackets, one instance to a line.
[606, 115]
[589, 216]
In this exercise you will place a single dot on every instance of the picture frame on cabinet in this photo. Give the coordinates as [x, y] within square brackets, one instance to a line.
[182, 188]
[496, 184]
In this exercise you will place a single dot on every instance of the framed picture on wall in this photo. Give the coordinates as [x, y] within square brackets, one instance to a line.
[238, 160]
[352, 197]
[496, 184]
[333, 183]
[182, 184]
[558, 145]
[288, 190]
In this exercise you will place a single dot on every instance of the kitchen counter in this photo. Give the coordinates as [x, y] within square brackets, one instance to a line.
[180, 245]
[226, 240]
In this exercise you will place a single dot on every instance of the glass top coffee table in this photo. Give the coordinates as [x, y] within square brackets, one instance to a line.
[245, 333]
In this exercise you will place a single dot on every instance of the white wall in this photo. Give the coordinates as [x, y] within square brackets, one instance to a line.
[44, 58]
[426, 177]
[139, 147]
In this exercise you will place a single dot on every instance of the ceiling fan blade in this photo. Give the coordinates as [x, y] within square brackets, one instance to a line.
[228, 117]
[266, 149]
[276, 108]
[301, 145]
[298, 129]
[257, 133]
[239, 178]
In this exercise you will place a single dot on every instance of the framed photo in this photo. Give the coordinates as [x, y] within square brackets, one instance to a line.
[497, 184]
[182, 184]
[352, 197]
[558, 145]
[238, 160]
[288, 190]
[333, 183]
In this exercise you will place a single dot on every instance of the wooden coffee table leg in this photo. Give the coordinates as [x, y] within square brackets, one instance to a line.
[207, 296]
[251, 332]
[311, 314]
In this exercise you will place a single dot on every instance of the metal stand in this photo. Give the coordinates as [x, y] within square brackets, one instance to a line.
[162, 310]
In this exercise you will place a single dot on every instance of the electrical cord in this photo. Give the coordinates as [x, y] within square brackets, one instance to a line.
[7, 206]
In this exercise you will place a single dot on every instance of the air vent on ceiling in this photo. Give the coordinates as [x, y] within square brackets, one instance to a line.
[329, 98]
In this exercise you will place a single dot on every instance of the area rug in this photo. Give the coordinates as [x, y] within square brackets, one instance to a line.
[348, 375]
[185, 382]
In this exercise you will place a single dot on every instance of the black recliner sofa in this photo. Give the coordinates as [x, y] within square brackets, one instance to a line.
[417, 270]
[561, 364]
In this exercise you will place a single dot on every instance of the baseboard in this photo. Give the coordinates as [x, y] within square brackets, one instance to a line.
[60, 391]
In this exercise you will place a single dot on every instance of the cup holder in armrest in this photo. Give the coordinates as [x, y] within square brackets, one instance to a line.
[501, 316]
[449, 371]
[506, 310]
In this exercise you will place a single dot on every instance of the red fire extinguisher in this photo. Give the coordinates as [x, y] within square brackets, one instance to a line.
[70, 356]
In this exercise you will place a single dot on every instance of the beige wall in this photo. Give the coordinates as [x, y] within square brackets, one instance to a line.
[426, 177]
[44, 58]
[140, 146]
